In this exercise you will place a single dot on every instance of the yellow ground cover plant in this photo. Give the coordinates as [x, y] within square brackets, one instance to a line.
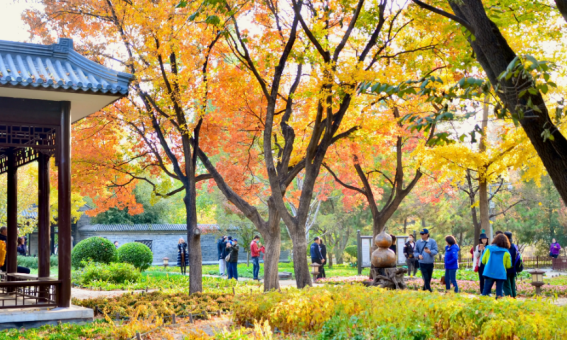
[360, 312]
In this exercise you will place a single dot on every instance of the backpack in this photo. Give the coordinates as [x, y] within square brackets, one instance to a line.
[518, 262]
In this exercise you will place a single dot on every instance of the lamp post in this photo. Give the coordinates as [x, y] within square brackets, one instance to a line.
[165, 262]
[537, 279]
[315, 270]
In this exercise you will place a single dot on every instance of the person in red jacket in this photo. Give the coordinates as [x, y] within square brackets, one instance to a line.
[255, 249]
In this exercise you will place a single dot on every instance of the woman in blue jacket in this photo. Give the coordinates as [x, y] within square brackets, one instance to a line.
[451, 263]
[496, 259]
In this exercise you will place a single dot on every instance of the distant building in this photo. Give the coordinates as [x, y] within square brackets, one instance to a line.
[162, 239]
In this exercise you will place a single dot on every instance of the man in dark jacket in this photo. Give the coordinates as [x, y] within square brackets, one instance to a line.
[232, 263]
[221, 249]
[411, 261]
[510, 283]
[316, 256]
[323, 249]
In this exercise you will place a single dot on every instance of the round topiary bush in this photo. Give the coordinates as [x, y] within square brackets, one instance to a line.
[98, 249]
[137, 254]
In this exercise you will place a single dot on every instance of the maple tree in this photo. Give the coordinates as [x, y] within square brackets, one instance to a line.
[156, 131]
[340, 45]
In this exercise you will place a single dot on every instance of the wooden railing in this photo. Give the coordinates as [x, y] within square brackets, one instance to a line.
[28, 291]
[530, 262]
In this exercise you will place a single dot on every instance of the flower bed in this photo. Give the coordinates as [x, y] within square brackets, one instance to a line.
[339, 280]
[357, 312]
[158, 303]
[523, 288]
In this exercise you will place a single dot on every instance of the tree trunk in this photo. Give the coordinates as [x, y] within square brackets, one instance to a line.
[405, 225]
[247, 259]
[562, 7]
[495, 55]
[193, 240]
[483, 183]
[484, 214]
[330, 259]
[300, 264]
[273, 245]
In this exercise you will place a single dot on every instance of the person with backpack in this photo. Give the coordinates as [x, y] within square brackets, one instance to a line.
[451, 263]
[477, 259]
[511, 273]
[497, 260]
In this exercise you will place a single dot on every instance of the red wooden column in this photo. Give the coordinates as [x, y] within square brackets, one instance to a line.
[43, 224]
[12, 212]
[64, 213]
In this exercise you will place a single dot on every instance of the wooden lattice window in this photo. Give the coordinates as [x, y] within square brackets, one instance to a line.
[146, 242]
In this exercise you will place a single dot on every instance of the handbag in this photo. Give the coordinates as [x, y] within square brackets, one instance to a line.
[227, 258]
[443, 279]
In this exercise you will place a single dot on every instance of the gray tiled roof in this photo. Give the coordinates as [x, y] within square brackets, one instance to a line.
[144, 227]
[57, 67]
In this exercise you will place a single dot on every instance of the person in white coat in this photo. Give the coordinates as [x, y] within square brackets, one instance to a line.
[477, 258]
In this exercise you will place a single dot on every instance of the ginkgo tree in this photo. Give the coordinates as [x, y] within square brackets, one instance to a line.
[496, 30]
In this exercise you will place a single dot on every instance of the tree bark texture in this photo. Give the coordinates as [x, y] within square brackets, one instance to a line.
[494, 55]
[300, 264]
[562, 8]
[193, 242]
[483, 183]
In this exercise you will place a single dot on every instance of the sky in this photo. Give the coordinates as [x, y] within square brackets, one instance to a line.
[11, 25]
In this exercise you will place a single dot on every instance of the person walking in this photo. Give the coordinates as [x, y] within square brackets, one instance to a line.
[221, 250]
[510, 284]
[315, 252]
[554, 249]
[323, 249]
[477, 259]
[232, 262]
[451, 263]
[411, 261]
[182, 256]
[425, 251]
[255, 249]
[496, 259]
[21, 247]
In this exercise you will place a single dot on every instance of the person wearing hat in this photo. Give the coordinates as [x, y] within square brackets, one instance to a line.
[232, 261]
[425, 251]
[411, 261]
[477, 258]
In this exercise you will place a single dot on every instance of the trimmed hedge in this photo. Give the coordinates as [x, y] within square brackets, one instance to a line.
[137, 254]
[32, 262]
[97, 249]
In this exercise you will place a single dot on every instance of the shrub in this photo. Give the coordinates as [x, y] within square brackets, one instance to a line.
[32, 262]
[97, 249]
[352, 251]
[113, 273]
[137, 254]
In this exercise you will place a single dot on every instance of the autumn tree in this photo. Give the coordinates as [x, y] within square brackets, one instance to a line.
[157, 130]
